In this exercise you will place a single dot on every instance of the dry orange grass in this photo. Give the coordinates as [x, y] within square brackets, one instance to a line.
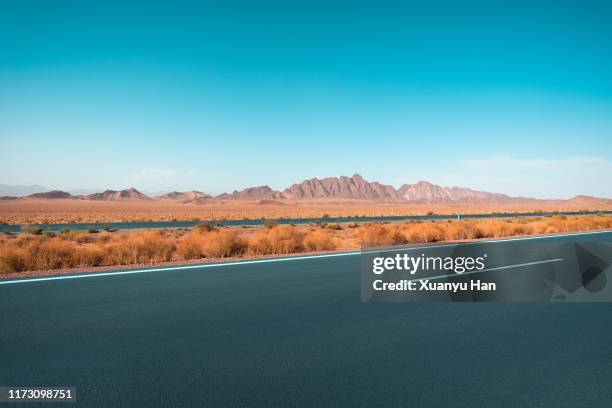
[320, 241]
[281, 239]
[434, 231]
[31, 252]
[42, 252]
[211, 244]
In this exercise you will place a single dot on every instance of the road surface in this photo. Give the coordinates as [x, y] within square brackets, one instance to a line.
[297, 221]
[295, 333]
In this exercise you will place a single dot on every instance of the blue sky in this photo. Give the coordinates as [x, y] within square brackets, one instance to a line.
[220, 96]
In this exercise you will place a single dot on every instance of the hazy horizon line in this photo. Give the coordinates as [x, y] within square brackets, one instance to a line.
[39, 188]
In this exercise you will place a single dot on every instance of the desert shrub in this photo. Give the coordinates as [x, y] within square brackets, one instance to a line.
[69, 235]
[269, 223]
[454, 231]
[189, 247]
[13, 259]
[470, 230]
[375, 233]
[50, 254]
[105, 237]
[28, 251]
[285, 239]
[334, 227]
[488, 229]
[118, 253]
[205, 227]
[153, 247]
[32, 229]
[88, 256]
[139, 247]
[82, 238]
[258, 244]
[539, 227]
[280, 239]
[426, 232]
[223, 243]
[319, 241]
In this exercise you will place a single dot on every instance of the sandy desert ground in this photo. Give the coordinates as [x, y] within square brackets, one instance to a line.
[59, 211]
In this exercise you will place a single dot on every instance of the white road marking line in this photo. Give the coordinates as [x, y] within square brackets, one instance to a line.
[199, 266]
[497, 268]
[296, 258]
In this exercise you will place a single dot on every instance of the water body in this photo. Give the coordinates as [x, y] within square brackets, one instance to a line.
[296, 221]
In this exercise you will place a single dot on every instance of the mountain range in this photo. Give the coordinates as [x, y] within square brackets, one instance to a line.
[186, 197]
[130, 194]
[329, 188]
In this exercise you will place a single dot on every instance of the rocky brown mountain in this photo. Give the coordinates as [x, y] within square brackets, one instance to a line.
[252, 194]
[130, 194]
[334, 188]
[586, 201]
[184, 196]
[426, 192]
[354, 187]
[54, 194]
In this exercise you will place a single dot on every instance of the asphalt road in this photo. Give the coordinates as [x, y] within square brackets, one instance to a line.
[298, 221]
[295, 333]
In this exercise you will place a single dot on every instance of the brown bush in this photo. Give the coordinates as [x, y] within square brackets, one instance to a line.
[50, 254]
[152, 246]
[139, 247]
[279, 239]
[425, 232]
[319, 241]
[13, 259]
[89, 256]
[117, 253]
[222, 243]
[190, 247]
[376, 233]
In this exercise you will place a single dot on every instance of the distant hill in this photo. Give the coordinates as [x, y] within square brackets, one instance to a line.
[184, 196]
[586, 201]
[252, 194]
[83, 191]
[426, 192]
[130, 194]
[198, 200]
[354, 187]
[329, 188]
[54, 194]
